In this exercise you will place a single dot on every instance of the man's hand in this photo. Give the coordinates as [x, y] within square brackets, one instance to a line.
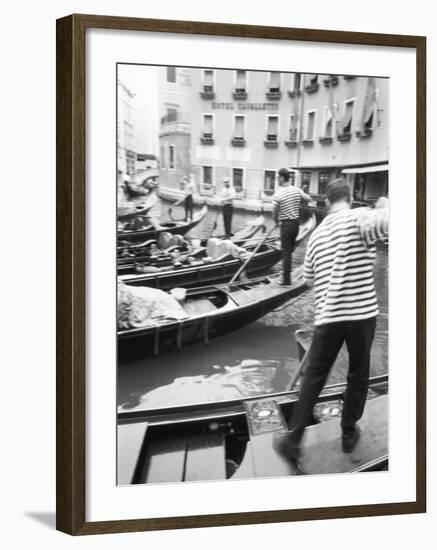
[373, 223]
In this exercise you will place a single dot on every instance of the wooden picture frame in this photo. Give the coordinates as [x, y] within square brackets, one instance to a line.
[71, 252]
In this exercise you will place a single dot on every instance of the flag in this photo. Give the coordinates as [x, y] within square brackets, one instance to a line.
[369, 104]
[332, 109]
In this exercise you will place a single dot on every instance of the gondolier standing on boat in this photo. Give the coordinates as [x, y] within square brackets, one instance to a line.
[287, 203]
[189, 192]
[228, 196]
[339, 263]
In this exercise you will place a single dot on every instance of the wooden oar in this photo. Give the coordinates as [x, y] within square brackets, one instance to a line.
[177, 203]
[300, 369]
[214, 227]
[258, 246]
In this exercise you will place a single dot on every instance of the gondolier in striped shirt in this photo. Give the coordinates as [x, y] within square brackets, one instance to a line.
[339, 263]
[228, 196]
[286, 212]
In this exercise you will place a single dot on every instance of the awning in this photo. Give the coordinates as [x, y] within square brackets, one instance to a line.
[365, 169]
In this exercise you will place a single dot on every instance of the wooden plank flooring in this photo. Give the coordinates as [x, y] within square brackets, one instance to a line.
[322, 452]
[205, 458]
[165, 461]
[130, 441]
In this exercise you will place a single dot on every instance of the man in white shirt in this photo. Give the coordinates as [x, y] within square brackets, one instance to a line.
[189, 192]
[228, 196]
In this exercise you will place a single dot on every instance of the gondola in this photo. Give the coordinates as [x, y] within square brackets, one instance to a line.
[210, 312]
[131, 260]
[231, 440]
[127, 211]
[175, 227]
[140, 250]
[199, 271]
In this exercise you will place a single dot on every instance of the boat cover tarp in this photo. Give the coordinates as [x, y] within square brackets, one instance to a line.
[143, 306]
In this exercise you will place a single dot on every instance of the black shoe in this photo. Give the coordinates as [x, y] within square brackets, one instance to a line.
[349, 440]
[286, 446]
[285, 283]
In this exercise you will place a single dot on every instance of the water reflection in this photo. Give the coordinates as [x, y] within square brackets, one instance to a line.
[255, 360]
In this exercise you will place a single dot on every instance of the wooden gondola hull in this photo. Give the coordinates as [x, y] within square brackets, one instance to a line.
[179, 228]
[205, 274]
[156, 340]
[232, 440]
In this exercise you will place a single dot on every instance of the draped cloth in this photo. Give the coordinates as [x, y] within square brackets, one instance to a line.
[143, 306]
[369, 104]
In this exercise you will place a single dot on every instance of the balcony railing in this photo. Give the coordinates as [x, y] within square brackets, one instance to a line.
[239, 93]
[272, 141]
[175, 116]
[207, 92]
[238, 142]
[207, 139]
[273, 93]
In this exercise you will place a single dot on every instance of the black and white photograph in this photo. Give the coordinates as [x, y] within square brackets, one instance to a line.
[252, 274]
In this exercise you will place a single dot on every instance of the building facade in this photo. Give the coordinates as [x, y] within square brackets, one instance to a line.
[175, 109]
[342, 130]
[125, 130]
[239, 131]
[246, 125]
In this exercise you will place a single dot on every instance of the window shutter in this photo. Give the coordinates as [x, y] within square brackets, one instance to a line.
[207, 78]
[272, 126]
[241, 80]
[274, 80]
[239, 127]
[207, 125]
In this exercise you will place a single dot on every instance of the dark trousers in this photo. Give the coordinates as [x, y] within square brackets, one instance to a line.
[228, 210]
[289, 231]
[326, 343]
[189, 207]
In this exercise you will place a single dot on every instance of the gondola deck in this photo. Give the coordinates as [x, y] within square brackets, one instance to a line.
[179, 227]
[204, 272]
[234, 441]
[230, 308]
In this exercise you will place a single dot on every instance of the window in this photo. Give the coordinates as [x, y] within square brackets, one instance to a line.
[323, 182]
[239, 128]
[272, 128]
[274, 83]
[172, 114]
[306, 180]
[240, 82]
[328, 122]
[163, 163]
[237, 179]
[311, 83]
[311, 119]
[269, 182]
[208, 81]
[171, 157]
[171, 74]
[293, 127]
[297, 79]
[207, 175]
[346, 123]
[207, 129]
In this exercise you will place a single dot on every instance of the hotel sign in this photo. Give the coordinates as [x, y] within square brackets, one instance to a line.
[243, 106]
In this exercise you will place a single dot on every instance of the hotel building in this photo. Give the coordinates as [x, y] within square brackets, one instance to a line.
[246, 125]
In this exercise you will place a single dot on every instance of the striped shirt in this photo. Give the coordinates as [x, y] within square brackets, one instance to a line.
[342, 269]
[228, 195]
[288, 199]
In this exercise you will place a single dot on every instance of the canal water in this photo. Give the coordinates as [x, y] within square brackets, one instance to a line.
[258, 359]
